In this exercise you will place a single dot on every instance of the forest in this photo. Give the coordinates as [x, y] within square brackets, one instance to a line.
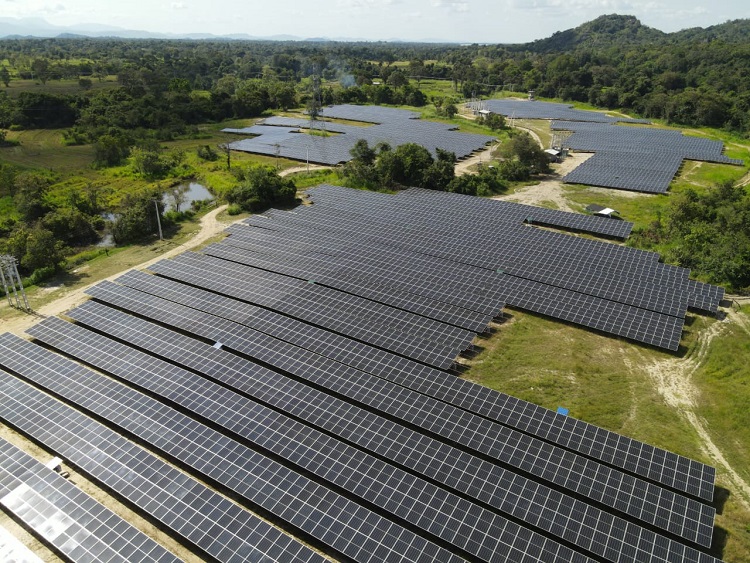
[126, 98]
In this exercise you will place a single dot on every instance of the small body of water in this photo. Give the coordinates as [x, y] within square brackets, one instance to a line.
[189, 192]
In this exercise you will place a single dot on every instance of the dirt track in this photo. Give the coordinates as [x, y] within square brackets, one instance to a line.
[550, 189]
[210, 227]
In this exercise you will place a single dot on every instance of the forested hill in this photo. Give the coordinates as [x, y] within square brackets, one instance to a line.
[627, 31]
[603, 32]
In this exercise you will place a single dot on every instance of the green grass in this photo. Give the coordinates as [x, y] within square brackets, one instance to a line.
[44, 148]
[68, 86]
[597, 377]
[304, 180]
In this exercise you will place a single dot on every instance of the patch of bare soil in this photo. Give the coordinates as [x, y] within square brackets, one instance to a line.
[550, 189]
[672, 378]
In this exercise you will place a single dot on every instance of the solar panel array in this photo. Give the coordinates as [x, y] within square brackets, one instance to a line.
[635, 158]
[630, 158]
[296, 367]
[209, 522]
[525, 109]
[66, 517]
[287, 137]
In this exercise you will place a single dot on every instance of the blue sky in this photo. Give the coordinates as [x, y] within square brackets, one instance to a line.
[485, 21]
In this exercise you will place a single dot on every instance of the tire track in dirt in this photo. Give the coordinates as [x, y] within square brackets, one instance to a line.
[672, 378]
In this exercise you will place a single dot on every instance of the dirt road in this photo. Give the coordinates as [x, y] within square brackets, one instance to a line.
[210, 227]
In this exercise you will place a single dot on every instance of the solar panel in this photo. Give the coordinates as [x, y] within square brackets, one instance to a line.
[12, 550]
[510, 447]
[66, 517]
[281, 136]
[525, 109]
[635, 158]
[358, 283]
[438, 355]
[614, 449]
[325, 515]
[387, 486]
[208, 521]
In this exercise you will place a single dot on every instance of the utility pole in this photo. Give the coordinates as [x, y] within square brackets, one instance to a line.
[11, 281]
[158, 218]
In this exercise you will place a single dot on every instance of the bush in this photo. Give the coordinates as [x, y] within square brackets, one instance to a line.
[234, 209]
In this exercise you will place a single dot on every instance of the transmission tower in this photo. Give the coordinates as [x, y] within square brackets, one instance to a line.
[12, 283]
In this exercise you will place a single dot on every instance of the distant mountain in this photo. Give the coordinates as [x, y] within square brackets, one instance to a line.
[735, 31]
[14, 28]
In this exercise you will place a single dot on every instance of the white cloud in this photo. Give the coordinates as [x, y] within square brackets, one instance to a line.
[178, 6]
[56, 9]
[458, 7]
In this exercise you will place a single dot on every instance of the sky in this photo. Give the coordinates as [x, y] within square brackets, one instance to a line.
[466, 21]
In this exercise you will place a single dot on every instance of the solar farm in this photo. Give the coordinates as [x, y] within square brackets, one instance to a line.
[639, 159]
[290, 138]
[287, 394]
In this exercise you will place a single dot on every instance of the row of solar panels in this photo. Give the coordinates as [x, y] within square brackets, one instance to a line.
[333, 429]
[333, 142]
[635, 158]
[525, 109]
[510, 244]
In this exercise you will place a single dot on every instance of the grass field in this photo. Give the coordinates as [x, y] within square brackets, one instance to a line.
[67, 86]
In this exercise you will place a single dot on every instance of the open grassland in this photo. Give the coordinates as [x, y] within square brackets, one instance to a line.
[66, 86]
[44, 148]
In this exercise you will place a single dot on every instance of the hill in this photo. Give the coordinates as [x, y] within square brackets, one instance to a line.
[621, 30]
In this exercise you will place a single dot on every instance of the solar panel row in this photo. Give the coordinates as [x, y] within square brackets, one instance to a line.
[614, 449]
[635, 158]
[437, 355]
[524, 109]
[283, 137]
[399, 493]
[327, 516]
[66, 517]
[456, 425]
[208, 521]
[531, 246]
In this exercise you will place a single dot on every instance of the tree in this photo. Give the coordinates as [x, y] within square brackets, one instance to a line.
[30, 190]
[110, 150]
[522, 147]
[177, 195]
[138, 219]
[70, 226]
[40, 68]
[5, 76]
[147, 163]
[416, 70]
[261, 187]
[35, 248]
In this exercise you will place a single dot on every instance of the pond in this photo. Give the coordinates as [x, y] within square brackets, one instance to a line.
[186, 193]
